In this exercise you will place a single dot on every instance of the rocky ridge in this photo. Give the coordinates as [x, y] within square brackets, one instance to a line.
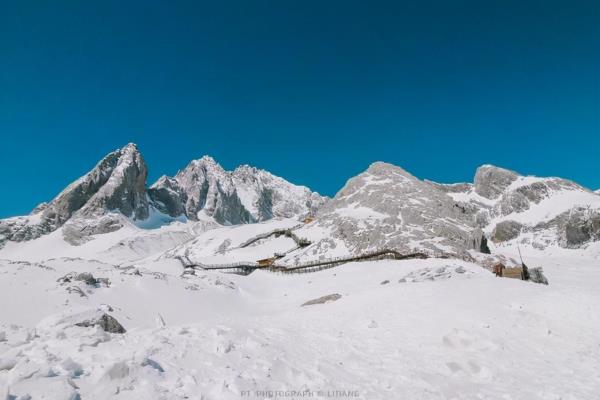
[383, 207]
[245, 195]
[114, 194]
[387, 207]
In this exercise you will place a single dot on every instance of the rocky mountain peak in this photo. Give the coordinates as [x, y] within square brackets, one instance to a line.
[115, 184]
[387, 207]
[205, 164]
[380, 168]
[247, 194]
[125, 188]
[491, 181]
[377, 174]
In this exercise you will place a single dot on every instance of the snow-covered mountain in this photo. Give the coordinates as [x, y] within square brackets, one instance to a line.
[384, 207]
[540, 212]
[98, 202]
[246, 195]
[113, 194]
[387, 207]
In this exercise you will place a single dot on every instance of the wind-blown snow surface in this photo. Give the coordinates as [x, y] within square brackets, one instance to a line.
[415, 329]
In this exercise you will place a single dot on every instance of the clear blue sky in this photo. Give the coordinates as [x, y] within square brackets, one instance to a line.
[313, 91]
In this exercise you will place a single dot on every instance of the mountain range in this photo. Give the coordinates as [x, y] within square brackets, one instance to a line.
[114, 193]
[383, 207]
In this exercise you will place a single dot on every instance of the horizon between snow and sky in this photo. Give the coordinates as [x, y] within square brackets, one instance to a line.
[311, 91]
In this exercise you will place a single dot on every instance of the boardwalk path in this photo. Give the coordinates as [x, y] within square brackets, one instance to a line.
[246, 267]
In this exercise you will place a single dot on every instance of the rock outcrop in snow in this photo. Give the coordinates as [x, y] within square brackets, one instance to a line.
[491, 182]
[246, 195]
[537, 211]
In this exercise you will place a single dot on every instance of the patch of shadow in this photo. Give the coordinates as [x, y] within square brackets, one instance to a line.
[153, 364]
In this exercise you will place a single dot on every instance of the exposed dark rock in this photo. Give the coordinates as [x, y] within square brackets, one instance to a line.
[168, 197]
[106, 322]
[86, 277]
[478, 242]
[505, 231]
[76, 290]
[324, 299]
[89, 279]
[581, 226]
[537, 275]
[79, 231]
[484, 246]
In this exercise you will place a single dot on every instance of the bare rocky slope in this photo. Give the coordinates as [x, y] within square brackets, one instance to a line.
[387, 207]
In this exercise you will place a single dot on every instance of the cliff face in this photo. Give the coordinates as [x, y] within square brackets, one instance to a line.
[115, 184]
[114, 193]
[204, 189]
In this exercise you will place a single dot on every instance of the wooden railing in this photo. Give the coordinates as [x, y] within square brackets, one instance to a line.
[246, 267]
[280, 231]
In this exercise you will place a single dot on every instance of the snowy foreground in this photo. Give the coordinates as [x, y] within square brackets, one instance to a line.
[416, 329]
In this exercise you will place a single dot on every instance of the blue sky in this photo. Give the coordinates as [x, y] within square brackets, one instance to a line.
[313, 91]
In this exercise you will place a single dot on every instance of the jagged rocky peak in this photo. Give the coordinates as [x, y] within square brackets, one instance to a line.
[125, 188]
[116, 183]
[245, 195]
[491, 181]
[266, 195]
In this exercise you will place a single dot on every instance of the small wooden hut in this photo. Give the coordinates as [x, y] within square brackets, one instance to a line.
[515, 273]
[308, 220]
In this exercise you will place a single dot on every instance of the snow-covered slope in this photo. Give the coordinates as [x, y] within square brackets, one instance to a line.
[205, 189]
[426, 329]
